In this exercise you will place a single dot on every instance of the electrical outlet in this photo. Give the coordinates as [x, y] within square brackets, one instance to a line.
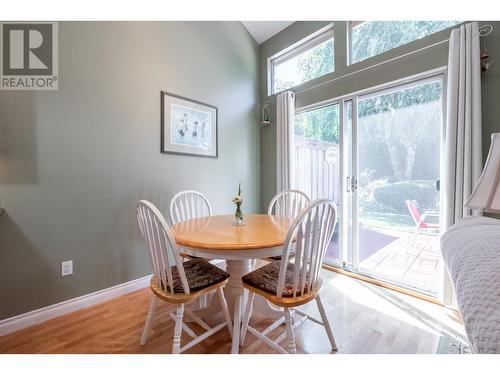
[67, 268]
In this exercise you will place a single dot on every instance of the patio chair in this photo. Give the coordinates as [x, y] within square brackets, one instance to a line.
[421, 224]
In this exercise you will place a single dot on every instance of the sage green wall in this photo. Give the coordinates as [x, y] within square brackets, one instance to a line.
[490, 100]
[331, 85]
[490, 88]
[73, 162]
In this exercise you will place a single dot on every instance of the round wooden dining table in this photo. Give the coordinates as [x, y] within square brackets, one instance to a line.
[217, 237]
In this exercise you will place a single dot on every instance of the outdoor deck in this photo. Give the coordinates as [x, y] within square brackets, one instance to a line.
[411, 259]
[402, 257]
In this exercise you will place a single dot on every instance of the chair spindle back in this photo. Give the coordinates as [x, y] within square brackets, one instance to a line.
[306, 244]
[187, 205]
[288, 203]
[162, 247]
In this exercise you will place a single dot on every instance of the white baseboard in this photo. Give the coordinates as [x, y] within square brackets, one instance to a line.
[49, 312]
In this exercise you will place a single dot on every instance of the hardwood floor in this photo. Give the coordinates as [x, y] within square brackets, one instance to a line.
[365, 319]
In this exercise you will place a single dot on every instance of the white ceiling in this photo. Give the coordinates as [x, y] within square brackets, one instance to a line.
[263, 30]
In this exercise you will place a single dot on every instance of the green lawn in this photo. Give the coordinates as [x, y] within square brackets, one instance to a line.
[385, 220]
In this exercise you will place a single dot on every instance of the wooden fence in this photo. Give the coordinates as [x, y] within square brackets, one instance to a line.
[317, 168]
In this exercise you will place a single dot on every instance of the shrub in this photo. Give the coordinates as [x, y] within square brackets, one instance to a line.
[394, 195]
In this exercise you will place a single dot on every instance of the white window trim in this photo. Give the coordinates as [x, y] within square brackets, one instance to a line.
[311, 41]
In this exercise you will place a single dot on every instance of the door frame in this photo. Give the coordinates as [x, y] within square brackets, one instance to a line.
[346, 215]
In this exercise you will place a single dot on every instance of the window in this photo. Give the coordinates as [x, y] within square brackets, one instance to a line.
[371, 38]
[310, 59]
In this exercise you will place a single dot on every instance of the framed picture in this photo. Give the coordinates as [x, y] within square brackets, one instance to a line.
[188, 127]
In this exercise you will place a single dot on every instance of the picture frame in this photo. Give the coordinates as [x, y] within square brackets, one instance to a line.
[188, 127]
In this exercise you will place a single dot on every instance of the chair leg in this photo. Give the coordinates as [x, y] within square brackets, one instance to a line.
[225, 310]
[176, 346]
[326, 324]
[246, 317]
[289, 331]
[149, 318]
[203, 301]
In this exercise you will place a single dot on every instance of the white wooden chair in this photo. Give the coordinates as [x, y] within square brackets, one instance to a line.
[294, 281]
[187, 205]
[176, 282]
[288, 203]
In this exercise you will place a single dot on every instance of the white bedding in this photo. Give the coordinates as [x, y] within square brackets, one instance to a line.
[471, 251]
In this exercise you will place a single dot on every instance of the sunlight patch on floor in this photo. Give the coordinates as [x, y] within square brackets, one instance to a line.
[421, 314]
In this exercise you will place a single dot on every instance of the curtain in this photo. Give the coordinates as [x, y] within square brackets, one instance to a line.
[285, 109]
[463, 149]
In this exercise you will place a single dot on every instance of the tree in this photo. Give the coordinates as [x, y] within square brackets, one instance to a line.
[402, 142]
[322, 124]
[317, 61]
[374, 37]
[403, 130]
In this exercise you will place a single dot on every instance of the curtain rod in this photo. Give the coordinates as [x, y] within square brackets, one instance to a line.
[484, 30]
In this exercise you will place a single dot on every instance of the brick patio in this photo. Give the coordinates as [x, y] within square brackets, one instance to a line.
[406, 258]
[410, 259]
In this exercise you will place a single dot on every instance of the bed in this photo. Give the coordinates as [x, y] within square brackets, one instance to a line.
[471, 252]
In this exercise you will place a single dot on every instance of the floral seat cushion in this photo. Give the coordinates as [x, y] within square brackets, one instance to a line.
[200, 275]
[266, 279]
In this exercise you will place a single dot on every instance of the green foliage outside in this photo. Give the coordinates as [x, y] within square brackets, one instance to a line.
[321, 124]
[394, 129]
[311, 64]
[386, 220]
[374, 37]
[317, 61]
[393, 195]
[369, 39]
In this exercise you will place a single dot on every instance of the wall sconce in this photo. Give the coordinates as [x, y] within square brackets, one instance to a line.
[266, 116]
[486, 63]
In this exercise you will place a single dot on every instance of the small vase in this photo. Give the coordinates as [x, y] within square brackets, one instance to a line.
[238, 216]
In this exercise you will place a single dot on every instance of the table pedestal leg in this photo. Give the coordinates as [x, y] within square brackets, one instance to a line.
[234, 287]
[236, 300]
[236, 296]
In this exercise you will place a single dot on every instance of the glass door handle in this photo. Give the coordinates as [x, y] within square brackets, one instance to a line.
[351, 184]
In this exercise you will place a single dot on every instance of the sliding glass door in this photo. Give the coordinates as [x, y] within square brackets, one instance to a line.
[377, 156]
[398, 145]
